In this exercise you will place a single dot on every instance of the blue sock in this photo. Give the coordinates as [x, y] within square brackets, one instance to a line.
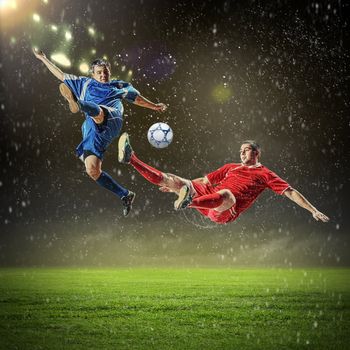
[91, 108]
[106, 181]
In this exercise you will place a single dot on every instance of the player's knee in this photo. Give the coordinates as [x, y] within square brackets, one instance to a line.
[228, 197]
[173, 181]
[98, 119]
[168, 179]
[93, 172]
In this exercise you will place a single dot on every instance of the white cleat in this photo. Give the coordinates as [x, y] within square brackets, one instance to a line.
[184, 199]
[124, 149]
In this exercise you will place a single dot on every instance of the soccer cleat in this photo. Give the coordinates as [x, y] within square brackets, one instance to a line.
[127, 202]
[69, 96]
[184, 199]
[124, 149]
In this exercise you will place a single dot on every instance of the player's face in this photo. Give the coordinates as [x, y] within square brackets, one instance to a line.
[248, 155]
[101, 74]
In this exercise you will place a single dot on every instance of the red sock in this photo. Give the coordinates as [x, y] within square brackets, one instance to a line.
[209, 201]
[151, 174]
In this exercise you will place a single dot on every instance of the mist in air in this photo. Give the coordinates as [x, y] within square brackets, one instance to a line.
[229, 71]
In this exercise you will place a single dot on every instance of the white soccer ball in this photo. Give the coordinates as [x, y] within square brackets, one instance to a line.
[160, 135]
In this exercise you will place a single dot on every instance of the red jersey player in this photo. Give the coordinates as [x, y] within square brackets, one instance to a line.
[225, 193]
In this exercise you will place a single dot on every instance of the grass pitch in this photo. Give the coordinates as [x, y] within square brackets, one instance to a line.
[174, 309]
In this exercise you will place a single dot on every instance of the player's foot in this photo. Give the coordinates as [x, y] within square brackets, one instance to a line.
[124, 149]
[69, 96]
[184, 199]
[127, 202]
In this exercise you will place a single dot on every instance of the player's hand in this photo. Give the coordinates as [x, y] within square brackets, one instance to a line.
[318, 216]
[160, 107]
[39, 54]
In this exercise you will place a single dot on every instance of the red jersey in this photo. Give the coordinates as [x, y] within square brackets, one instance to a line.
[245, 182]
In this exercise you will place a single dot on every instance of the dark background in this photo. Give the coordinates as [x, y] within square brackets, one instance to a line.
[276, 72]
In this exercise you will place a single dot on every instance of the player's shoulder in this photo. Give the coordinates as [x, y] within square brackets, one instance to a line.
[120, 84]
[268, 173]
[262, 168]
[230, 166]
[75, 77]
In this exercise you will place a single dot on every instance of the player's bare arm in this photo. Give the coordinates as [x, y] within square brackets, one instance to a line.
[299, 199]
[50, 66]
[144, 102]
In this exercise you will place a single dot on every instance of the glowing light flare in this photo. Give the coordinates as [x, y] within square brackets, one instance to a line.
[54, 28]
[8, 4]
[36, 17]
[61, 59]
[14, 12]
[84, 67]
[130, 73]
[221, 93]
[68, 35]
[91, 31]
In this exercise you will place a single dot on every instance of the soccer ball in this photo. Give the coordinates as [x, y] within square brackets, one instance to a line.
[160, 135]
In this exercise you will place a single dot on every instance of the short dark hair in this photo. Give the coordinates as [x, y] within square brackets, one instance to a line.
[99, 62]
[253, 144]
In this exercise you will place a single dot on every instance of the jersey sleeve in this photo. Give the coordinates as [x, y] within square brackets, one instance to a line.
[75, 83]
[218, 175]
[128, 92]
[276, 184]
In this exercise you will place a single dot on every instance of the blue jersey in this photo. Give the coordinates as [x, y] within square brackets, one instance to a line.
[104, 94]
[109, 96]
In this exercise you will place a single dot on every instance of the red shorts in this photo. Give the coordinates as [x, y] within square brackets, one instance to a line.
[220, 217]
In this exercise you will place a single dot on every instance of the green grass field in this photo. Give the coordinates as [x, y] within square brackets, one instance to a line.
[174, 308]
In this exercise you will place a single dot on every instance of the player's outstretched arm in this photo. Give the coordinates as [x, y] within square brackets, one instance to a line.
[299, 199]
[143, 102]
[50, 66]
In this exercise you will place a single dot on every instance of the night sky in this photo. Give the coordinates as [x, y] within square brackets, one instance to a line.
[275, 71]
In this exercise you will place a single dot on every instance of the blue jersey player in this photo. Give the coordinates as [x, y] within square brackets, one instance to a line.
[100, 98]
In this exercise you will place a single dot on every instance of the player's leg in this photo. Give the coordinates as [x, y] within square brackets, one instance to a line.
[167, 182]
[220, 201]
[91, 108]
[93, 167]
[69, 96]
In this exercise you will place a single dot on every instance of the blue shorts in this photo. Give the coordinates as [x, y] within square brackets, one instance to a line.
[97, 137]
